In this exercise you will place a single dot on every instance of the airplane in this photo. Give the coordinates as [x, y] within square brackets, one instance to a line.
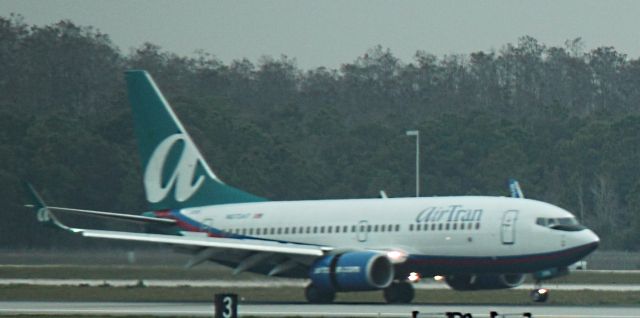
[348, 245]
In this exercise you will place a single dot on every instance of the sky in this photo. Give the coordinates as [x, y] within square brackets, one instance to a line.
[330, 32]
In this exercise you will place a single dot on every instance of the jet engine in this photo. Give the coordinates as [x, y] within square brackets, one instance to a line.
[352, 271]
[484, 281]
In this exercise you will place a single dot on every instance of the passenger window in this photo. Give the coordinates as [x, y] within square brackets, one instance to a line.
[353, 228]
[279, 230]
[397, 227]
[375, 228]
[273, 231]
[322, 229]
[433, 226]
[293, 230]
[328, 229]
[337, 229]
[447, 227]
[390, 228]
[286, 230]
[411, 227]
[345, 229]
[462, 226]
[478, 226]
[417, 227]
[308, 229]
[382, 228]
[440, 227]
[455, 226]
[315, 229]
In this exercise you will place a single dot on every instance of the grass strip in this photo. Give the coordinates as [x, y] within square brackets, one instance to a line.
[190, 294]
[217, 272]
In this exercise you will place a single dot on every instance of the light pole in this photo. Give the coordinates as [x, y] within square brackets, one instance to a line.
[417, 134]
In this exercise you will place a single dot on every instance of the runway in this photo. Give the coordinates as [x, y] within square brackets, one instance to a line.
[307, 310]
[275, 283]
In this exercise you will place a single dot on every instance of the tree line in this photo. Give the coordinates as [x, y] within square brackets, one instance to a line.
[563, 120]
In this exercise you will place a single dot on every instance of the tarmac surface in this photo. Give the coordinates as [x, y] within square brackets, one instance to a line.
[307, 310]
[297, 283]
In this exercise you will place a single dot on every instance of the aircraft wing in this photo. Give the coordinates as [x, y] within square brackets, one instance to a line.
[242, 253]
[204, 241]
[116, 216]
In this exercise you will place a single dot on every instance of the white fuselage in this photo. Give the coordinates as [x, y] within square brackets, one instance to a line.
[460, 227]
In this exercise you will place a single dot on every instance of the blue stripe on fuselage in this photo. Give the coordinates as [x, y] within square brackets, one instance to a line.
[438, 265]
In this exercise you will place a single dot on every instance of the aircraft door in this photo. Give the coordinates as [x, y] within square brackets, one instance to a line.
[362, 230]
[508, 227]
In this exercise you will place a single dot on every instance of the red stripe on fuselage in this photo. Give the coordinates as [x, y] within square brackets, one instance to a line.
[168, 214]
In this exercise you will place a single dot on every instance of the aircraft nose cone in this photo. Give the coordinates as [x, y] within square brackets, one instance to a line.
[593, 237]
[592, 240]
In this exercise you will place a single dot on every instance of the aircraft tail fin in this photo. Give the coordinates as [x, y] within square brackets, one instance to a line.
[175, 173]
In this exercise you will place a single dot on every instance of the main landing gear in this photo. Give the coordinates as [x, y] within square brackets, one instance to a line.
[399, 292]
[317, 296]
[539, 294]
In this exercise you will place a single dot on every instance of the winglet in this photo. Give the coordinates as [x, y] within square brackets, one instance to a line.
[43, 213]
[514, 187]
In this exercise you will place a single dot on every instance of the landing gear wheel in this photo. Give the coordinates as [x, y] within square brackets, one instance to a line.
[539, 295]
[317, 296]
[399, 293]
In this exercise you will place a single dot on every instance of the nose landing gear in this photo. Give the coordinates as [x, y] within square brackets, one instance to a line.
[539, 294]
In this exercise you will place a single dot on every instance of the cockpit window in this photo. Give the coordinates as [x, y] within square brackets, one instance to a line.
[562, 224]
[567, 221]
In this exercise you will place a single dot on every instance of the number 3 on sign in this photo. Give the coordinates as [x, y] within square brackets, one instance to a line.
[228, 307]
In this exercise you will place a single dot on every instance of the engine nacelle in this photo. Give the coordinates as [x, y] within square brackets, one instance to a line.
[484, 281]
[352, 271]
[551, 273]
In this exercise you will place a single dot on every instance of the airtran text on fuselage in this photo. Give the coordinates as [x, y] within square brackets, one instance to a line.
[451, 213]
